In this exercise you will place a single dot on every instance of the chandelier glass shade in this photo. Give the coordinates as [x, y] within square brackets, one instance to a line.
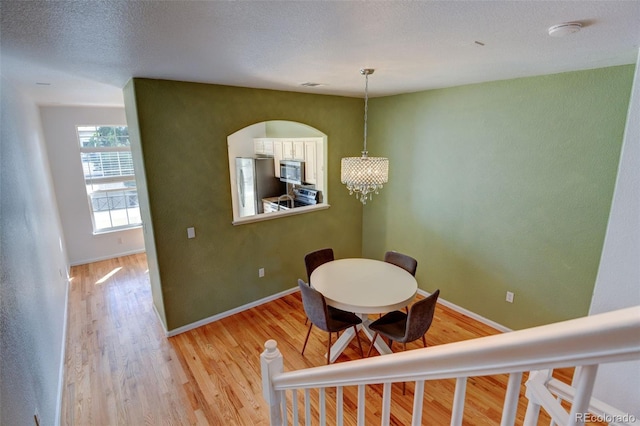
[364, 175]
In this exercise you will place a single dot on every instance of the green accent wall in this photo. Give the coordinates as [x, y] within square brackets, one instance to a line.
[502, 186]
[179, 133]
[494, 187]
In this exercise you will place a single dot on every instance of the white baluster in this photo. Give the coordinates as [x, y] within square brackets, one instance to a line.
[386, 404]
[531, 416]
[511, 400]
[294, 398]
[307, 407]
[361, 389]
[339, 407]
[457, 411]
[418, 397]
[285, 418]
[323, 406]
[584, 388]
[271, 364]
[575, 371]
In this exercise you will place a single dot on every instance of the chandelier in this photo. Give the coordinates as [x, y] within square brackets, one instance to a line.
[364, 175]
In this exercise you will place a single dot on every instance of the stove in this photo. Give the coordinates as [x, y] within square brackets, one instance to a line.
[305, 197]
[286, 204]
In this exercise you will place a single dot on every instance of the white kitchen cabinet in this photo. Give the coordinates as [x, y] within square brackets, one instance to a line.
[298, 150]
[277, 155]
[268, 147]
[309, 150]
[310, 162]
[286, 149]
[293, 149]
[263, 146]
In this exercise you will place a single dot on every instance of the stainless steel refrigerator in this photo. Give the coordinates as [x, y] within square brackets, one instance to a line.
[256, 179]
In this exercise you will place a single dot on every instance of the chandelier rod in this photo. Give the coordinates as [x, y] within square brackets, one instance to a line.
[366, 72]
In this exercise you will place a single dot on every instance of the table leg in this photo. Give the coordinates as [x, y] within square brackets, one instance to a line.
[343, 341]
[341, 344]
[380, 344]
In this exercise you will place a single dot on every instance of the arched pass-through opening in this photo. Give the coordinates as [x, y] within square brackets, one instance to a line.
[277, 169]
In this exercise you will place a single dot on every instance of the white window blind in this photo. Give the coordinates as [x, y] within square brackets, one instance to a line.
[105, 152]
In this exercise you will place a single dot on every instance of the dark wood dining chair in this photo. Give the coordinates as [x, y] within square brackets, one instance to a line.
[397, 326]
[326, 318]
[316, 258]
[403, 261]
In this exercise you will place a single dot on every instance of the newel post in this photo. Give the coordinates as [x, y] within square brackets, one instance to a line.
[271, 364]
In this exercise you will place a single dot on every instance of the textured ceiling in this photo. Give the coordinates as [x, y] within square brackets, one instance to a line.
[84, 52]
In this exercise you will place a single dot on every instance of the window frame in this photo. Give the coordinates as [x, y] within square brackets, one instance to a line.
[115, 175]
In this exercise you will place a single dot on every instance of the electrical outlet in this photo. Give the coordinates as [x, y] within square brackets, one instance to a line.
[261, 272]
[509, 297]
[191, 232]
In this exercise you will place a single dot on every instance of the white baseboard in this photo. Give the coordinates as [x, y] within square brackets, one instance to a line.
[63, 354]
[160, 320]
[468, 313]
[259, 302]
[225, 314]
[107, 257]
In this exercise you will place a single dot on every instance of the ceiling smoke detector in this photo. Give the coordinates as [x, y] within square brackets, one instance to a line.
[564, 29]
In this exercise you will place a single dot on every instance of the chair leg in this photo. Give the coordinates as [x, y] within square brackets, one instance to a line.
[424, 341]
[373, 342]
[306, 339]
[359, 344]
[329, 350]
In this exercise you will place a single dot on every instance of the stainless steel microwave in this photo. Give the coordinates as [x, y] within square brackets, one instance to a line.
[292, 171]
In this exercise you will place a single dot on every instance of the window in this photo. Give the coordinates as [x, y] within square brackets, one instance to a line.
[107, 164]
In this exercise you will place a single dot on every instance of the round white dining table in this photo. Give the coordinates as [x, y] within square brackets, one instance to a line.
[363, 286]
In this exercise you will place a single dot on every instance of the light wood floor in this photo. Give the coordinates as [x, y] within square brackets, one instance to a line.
[122, 370]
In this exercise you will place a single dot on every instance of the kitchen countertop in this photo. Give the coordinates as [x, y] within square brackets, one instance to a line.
[270, 199]
[281, 213]
[283, 203]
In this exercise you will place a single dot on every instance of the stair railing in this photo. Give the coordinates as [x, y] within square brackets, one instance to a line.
[587, 341]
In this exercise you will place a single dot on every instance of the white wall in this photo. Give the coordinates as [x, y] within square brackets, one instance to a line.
[59, 127]
[618, 281]
[33, 270]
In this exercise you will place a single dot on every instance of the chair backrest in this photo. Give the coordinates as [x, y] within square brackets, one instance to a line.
[420, 317]
[407, 263]
[314, 305]
[316, 258]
